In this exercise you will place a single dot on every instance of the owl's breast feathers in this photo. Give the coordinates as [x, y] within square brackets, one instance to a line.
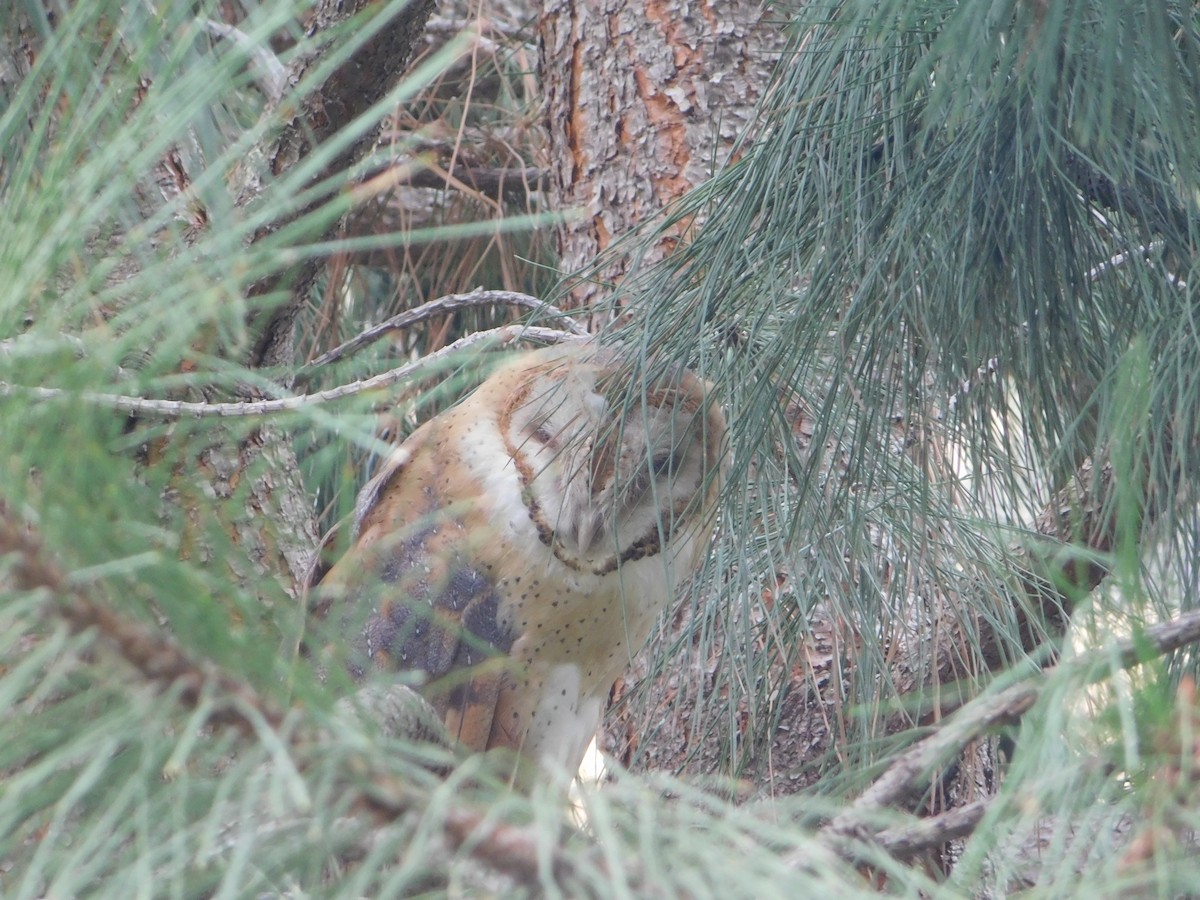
[458, 572]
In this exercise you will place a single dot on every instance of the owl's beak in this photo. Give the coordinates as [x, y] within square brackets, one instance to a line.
[600, 499]
[582, 512]
[587, 508]
[589, 528]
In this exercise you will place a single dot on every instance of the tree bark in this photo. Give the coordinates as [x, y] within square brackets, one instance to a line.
[349, 92]
[278, 529]
[643, 101]
[278, 498]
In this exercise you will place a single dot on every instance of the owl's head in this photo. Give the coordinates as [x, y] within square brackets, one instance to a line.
[613, 470]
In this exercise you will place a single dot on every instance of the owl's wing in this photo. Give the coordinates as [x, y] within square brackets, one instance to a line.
[411, 595]
[368, 497]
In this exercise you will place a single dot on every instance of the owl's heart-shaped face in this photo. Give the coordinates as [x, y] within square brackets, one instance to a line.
[517, 549]
[610, 476]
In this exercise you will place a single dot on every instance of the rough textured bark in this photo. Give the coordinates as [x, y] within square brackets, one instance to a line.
[278, 528]
[16, 51]
[360, 82]
[643, 100]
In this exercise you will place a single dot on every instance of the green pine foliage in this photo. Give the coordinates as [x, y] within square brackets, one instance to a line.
[953, 270]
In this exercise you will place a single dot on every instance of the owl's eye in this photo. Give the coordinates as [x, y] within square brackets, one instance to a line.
[663, 463]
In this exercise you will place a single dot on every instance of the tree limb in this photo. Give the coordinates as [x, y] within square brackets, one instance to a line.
[932, 832]
[911, 769]
[158, 658]
[361, 81]
[176, 409]
[441, 306]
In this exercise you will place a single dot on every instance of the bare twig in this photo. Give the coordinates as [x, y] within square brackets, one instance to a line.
[933, 831]
[489, 180]
[1119, 259]
[175, 409]
[912, 768]
[441, 306]
[270, 73]
[1142, 252]
[418, 168]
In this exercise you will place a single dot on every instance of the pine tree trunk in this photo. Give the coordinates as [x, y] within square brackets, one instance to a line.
[279, 528]
[643, 102]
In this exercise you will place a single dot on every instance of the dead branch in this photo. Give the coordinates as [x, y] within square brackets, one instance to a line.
[932, 832]
[910, 771]
[269, 72]
[442, 306]
[492, 181]
[496, 338]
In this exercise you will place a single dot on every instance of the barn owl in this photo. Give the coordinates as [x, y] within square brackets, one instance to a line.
[516, 549]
